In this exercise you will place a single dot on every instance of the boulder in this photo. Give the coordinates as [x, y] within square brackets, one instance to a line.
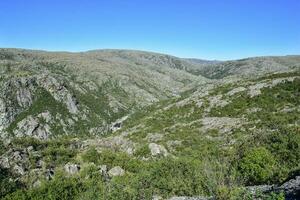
[49, 174]
[4, 162]
[291, 188]
[72, 168]
[157, 150]
[18, 169]
[116, 171]
[36, 184]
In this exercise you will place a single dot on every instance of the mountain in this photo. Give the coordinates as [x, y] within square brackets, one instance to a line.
[92, 88]
[123, 124]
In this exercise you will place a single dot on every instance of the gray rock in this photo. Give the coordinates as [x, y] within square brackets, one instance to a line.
[223, 124]
[18, 169]
[118, 124]
[260, 189]
[7, 113]
[115, 142]
[157, 149]
[29, 149]
[254, 90]
[236, 90]
[116, 171]
[15, 159]
[49, 174]
[291, 188]
[58, 91]
[15, 96]
[154, 137]
[27, 127]
[4, 162]
[72, 168]
[24, 97]
[46, 116]
[191, 198]
[31, 127]
[103, 169]
[40, 164]
[216, 101]
[36, 184]
[156, 197]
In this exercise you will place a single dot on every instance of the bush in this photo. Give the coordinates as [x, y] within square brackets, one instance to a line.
[61, 188]
[6, 185]
[257, 166]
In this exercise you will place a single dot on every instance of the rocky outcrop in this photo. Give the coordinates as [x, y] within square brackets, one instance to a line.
[24, 97]
[116, 143]
[4, 115]
[17, 160]
[235, 91]
[118, 124]
[58, 91]
[290, 188]
[255, 89]
[31, 127]
[15, 96]
[216, 101]
[223, 124]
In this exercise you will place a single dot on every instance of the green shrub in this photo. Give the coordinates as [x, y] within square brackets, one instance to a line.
[6, 185]
[257, 166]
[143, 151]
[60, 188]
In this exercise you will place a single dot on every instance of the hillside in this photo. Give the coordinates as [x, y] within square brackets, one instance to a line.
[120, 124]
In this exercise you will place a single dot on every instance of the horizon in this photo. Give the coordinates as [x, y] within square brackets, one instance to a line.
[138, 50]
[210, 30]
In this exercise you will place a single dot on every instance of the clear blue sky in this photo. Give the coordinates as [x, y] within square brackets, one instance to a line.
[209, 29]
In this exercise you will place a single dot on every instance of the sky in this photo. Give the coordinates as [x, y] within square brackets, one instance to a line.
[207, 29]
